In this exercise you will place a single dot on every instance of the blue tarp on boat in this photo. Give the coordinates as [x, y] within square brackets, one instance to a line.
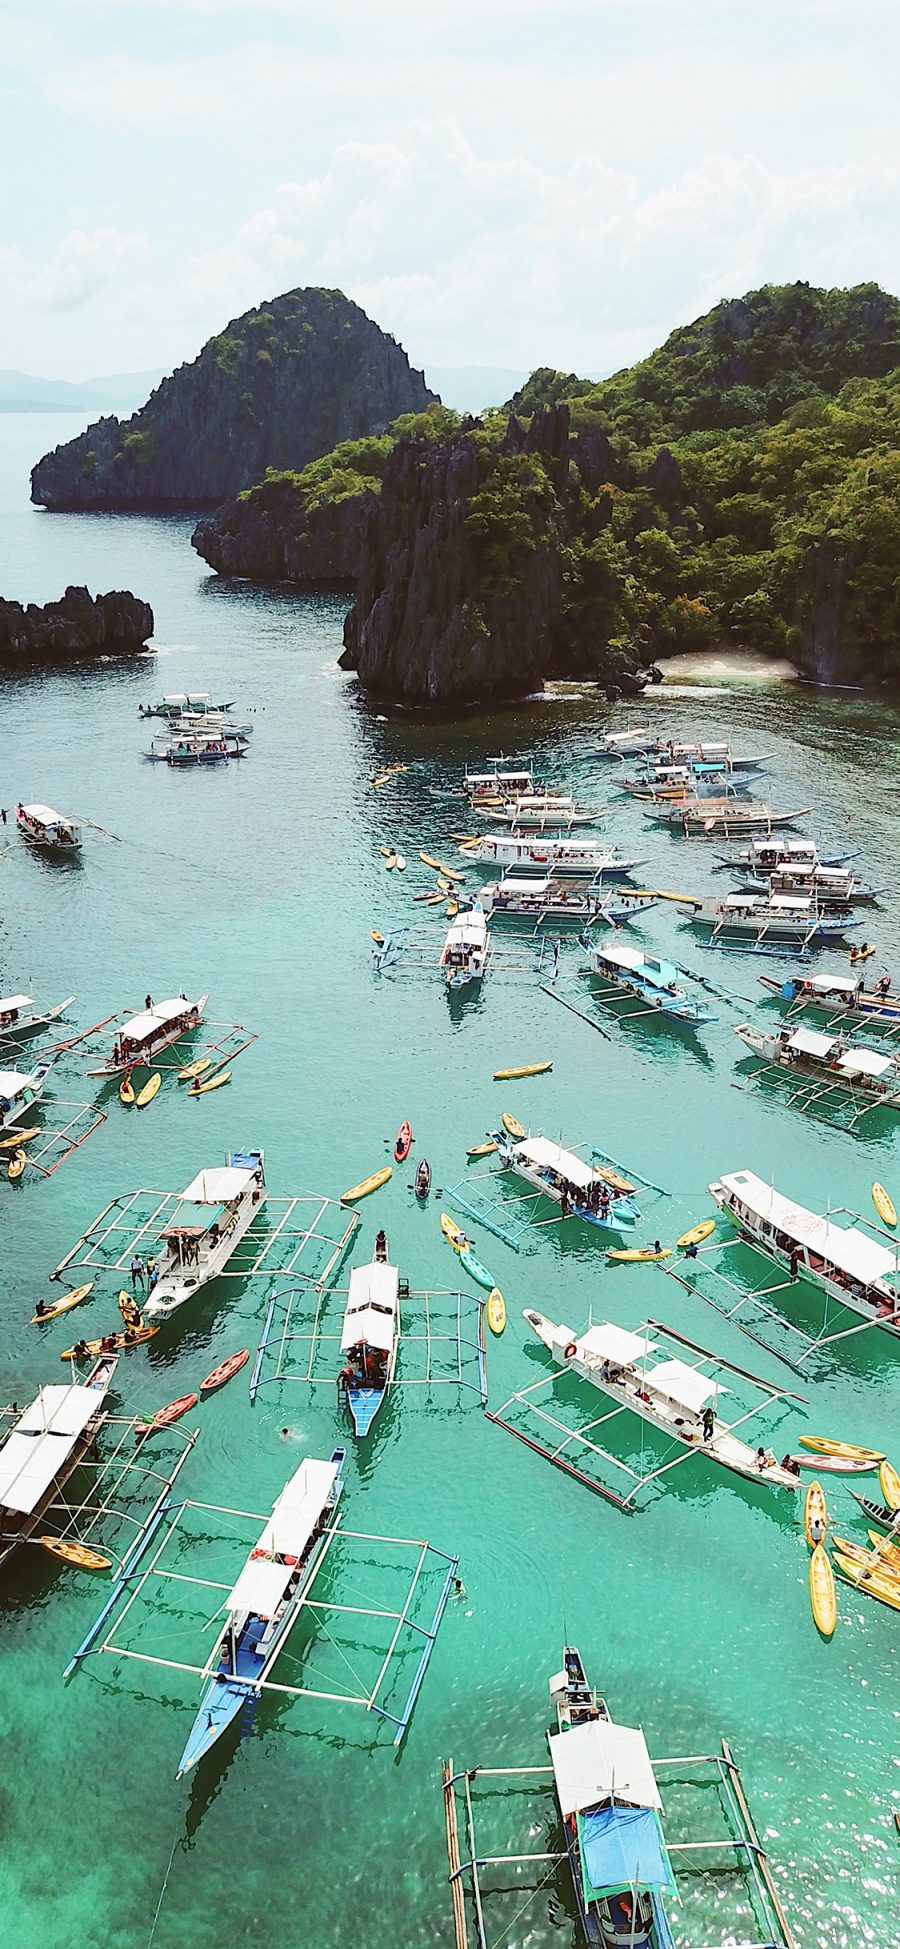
[622, 1848]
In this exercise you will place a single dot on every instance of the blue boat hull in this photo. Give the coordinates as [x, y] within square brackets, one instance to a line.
[364, 1403]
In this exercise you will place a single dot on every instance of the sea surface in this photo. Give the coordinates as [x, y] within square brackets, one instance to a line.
[261, 883]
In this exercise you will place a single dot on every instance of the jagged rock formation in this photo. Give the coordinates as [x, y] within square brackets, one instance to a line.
[465, 590]
[280, 386]
[78, 626]
[271, 536]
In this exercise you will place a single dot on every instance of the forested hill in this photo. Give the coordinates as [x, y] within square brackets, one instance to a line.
[740, 486]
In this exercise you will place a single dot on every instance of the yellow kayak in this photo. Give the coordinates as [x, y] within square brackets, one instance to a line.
[697, 1234]
[466, 838]
[133, 1337]
[496, 1310]
[439, 867]
[847, 1449]
[526, 1069]
[376, 937]
[126, 1089]
[883, 1204]
[390, 863]
[822, 1594]
[63, 1305]
[16, 1165]
[890, 1484]
[452, 909]
[215, 1083]
[512, 1125]
[77, 1553]
[387, 852]
[888, 1550]
[452, 1233]
[881, 1587]
[194, 1069]
[368, 1185]
[868, 1559]
[482, 1150]
[20, 1137]
[149, 1090]
[641, 1254]
[130, 1310]
[815, 1511]
[434, 899]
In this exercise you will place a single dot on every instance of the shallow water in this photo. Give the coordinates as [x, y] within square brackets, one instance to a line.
[261, 883]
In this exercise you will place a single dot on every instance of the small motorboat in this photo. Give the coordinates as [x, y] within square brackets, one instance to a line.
[403, 1142]
[423, 1178]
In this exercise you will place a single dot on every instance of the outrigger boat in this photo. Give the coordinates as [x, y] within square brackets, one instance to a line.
[643, 743]
[782, 917]
[542, 812]
[465, 951]
[610, 1806]
[555, 855]
[600, 1196]
[206, 1228]
[721, 817]
[658, 984]
[674, 783]
[144, 1037]
[834, 1061]
[19, 1091]
[370, 1336]
[52, 831]
[20, 1016]
[843, 995]
[566, 901]
[262, 1609]
[44, 1447]
[500, 782]
[830, 887]
[181, 703]
[782, 855]
[196, 748]
[844, 1261]
[676, 1397]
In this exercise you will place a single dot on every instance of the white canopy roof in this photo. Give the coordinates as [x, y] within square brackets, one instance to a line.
[549, 1156]
[625, 737]
[15, 1001]
[600, 1760]
[866, 1062]
[45, 815]
[846, 1247]
[14, 1081]
[41, 1442]
[684, 1384]
[811, 1042]
[790, 903]
[610, 1342]
[217, 1186]
[371, 1310]
[786, 848]
[260, 1587]
[833, 984]
[153, 1019]
[298, 1508]
[467, 928]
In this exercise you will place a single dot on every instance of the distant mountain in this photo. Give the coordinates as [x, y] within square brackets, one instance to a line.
[472, 388]
[120, 392]
[279, 387]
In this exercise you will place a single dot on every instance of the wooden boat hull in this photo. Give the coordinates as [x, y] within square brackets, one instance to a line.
[822, 1594]
[527, 1069]
[815, 1514]
[889, 1481]
[368, 1185]
[63, 1305]
[75, 1553]
[878, 1586]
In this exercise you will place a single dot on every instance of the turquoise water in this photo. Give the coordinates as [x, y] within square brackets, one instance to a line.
[261, 883]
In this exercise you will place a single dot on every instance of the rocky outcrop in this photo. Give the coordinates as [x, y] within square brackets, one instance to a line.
[280, 386]
[272, 537]
[462, 592]
[77, 627]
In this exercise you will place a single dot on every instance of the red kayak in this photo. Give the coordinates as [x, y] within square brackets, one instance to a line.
[403, 1142]
[164, 1416]
[225, 1372]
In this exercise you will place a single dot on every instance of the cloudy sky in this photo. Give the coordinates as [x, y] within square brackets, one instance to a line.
[496, 181]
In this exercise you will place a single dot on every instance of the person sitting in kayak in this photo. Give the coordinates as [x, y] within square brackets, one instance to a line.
[40, 1309]
[81, 1350]
[816, 1530]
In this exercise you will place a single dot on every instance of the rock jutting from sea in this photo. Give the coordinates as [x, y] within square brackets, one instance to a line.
[77, 627]
[281, 385]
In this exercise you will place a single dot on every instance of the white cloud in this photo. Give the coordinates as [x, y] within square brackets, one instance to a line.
[80, 267]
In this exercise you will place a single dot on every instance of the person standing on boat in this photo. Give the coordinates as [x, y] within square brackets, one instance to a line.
[137, 1273]
[709, 1423]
